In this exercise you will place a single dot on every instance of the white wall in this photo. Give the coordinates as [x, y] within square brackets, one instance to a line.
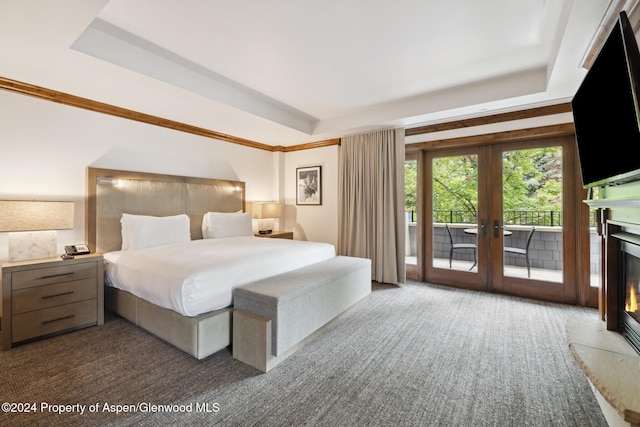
[316, 223]
[45, 149]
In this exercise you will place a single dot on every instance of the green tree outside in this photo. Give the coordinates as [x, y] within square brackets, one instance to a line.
[410, 185]
[532, 181]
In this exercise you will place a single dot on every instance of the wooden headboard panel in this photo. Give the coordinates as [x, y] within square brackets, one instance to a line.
[142, 193]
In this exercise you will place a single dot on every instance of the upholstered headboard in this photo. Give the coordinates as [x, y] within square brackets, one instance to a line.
[110, 193]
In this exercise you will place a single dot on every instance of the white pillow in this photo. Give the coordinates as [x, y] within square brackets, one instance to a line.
[216, 225]
[205, 226]
[124, 230]
[142, 231]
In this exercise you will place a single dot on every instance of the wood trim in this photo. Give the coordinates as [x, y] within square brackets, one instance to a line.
[100, 107]
[491, 119]
[308, 146]
[499, 137]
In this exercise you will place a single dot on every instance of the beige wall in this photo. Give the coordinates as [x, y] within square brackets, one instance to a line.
[317, 223]
[46, 147]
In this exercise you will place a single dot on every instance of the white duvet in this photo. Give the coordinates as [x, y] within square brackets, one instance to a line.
[199, 276]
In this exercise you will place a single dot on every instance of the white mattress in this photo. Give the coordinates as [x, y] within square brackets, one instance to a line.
[199, 276]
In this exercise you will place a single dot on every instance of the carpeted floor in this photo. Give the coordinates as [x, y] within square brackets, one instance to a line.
[415, 355]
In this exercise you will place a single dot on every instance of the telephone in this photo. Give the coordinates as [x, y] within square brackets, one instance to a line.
[76, 249]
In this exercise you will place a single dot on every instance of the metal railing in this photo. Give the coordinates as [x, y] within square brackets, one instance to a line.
[538, 218]
[450, 217]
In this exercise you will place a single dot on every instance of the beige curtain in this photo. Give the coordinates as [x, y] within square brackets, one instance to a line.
[371, 198]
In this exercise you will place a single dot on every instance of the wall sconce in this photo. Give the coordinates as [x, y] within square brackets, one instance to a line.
[265, 213]
[32, 226]
[107, 180]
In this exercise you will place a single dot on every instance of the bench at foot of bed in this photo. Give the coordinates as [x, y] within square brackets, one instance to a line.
[273, 317]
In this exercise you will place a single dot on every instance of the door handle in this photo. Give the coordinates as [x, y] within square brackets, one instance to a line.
[496, 229]
[483, 228]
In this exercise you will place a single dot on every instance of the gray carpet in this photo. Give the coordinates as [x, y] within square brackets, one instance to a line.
[416, 355]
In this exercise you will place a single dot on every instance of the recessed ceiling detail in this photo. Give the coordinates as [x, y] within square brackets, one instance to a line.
[292, 72]
[117, 46]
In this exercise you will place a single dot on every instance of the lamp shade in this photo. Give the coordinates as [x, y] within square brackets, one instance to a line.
[261, 210]
[19, 215]
[271, 210]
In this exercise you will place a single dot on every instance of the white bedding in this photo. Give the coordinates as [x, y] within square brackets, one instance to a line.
[199, 276]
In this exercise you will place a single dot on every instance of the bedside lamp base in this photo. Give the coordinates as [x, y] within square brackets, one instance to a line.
[33, 245]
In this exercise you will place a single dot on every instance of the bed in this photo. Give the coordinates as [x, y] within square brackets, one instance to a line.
[180, 276]
[167, 288]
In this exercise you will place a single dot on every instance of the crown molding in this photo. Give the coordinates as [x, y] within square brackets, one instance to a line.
[491, 119]
[100, 107]
[564, 129]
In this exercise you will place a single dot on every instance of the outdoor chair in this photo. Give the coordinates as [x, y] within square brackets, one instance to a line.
[461, 246]
[521, 251]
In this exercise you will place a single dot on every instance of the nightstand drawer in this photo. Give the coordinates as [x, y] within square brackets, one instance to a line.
[40, 297]
[45, 276]
[56, 319]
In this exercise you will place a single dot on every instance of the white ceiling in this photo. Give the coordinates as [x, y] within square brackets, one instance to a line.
[286, 72]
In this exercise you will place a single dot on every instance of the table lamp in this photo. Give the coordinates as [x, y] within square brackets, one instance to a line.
[32, 227]
[265, 213]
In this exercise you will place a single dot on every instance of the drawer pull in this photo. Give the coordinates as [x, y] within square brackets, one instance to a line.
[58, 295]
[58, 275]
[58, 319]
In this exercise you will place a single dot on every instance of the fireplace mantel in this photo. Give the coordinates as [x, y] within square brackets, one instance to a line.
[618, 213]
[607, 359]
[632, 202]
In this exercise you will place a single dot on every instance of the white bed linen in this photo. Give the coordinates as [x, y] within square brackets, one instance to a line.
[199, 276]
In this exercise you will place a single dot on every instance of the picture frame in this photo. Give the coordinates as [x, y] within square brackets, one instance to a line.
[309, 185]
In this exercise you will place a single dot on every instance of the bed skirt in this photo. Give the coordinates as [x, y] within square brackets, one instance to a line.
[200, 336]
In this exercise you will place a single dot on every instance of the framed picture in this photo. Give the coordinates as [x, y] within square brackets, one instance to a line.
[309, 184]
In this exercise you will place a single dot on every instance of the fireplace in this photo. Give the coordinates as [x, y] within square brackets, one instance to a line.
[629, 291]
[609, 352]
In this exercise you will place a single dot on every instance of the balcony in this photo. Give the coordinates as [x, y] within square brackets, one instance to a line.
[545, 248]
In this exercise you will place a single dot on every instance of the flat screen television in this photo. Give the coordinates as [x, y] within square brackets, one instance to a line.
[605, 111]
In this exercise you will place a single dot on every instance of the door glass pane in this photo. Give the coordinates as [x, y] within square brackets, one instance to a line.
[411, 213]
[532, 213]
[455, 212]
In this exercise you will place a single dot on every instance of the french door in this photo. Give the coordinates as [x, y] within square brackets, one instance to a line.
[495, 218]
[457, 201]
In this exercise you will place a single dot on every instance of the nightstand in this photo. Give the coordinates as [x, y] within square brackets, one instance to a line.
[49, 296]
[277, 235]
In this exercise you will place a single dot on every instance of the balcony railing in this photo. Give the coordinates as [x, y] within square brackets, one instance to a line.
[512, 218]
[537, 218]
[460, 217]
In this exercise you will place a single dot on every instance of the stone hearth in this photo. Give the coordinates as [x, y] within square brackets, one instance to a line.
[612, 366]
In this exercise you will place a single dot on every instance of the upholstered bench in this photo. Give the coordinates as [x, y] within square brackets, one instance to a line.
[273, 317]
